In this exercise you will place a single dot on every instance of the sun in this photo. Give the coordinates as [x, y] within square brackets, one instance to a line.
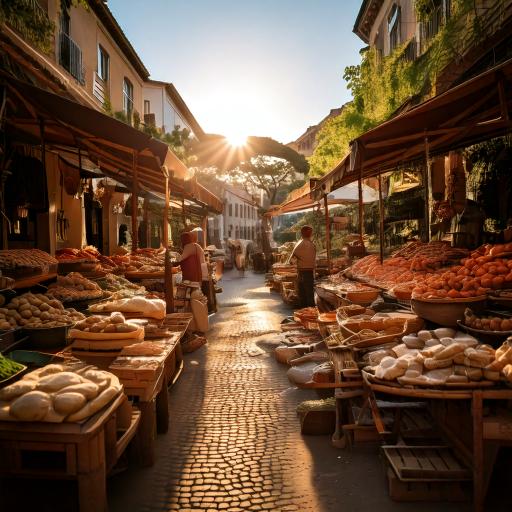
[237, 139]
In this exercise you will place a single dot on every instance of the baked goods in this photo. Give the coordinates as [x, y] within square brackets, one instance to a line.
[56, 393]
[115, 323]
[32, 259]
[152, 308]
[486, 323]
[37, 311]
[74, 286]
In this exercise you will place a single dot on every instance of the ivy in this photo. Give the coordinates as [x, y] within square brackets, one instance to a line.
[30, 20]
[379, 86]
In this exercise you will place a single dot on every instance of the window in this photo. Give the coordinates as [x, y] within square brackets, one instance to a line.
[147, 107]
[103, 64]
[230, 210]
[394, 27]
[128, 98]
[230, 231]
[236, 210]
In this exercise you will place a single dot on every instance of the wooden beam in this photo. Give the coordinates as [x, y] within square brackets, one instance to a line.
[381, 221]
[146, 222]
[327, 234]
[166, 214]
[205, 230]
[135, 191]
[428, 188]
[361, 207]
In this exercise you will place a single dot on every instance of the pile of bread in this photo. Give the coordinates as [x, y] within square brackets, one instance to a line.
[55, 393]
[74, 286]
[26, 258]
[440, 357]
[37, 311]
[150, 308]
[115, 323]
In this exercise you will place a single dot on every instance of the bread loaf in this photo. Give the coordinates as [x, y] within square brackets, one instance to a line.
[450, 351]
[32, 406]
[68, 402]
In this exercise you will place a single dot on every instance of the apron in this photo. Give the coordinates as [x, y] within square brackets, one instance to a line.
[191, 267]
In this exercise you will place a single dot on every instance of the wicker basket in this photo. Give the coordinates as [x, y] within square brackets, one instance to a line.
[362, 297]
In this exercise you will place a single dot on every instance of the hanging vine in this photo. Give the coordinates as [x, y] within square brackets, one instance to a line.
[379, 86]
[30, 20]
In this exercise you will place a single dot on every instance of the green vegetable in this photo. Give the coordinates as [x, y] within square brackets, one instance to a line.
[8, 367]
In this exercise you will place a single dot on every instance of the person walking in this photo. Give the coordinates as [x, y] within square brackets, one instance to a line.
[304, 253]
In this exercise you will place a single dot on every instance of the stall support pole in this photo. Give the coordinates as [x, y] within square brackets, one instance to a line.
[205, 230]
[146, 222]
[381, 221]
[169, 287]
[327, 234]
[428, 188]
[165, 224]
[361, 211]
[135, 186]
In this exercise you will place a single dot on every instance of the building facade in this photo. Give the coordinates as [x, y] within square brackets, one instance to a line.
[306, 143]
[240, 219]
[165, 109]
[388, 24]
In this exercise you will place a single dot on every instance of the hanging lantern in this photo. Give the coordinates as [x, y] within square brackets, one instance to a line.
[22, 211]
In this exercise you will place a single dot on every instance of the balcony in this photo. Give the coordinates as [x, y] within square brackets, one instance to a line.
[70, 57]
[410, 52]
[431, 27]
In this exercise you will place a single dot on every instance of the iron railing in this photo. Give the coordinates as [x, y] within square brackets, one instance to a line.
[70, 57]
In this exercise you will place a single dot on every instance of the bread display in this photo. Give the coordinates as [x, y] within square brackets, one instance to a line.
[120, 288]
[37, 311]
[107, 325]
[440, 357]
[26, 258]
[151, 308]
[55, 393]
[73, 287]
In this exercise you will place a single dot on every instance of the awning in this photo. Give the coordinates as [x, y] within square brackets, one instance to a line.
[476, 110]
[300, 199]
[120, 151]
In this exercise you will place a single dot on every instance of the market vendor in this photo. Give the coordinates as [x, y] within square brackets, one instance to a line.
[467, 224]
[193, 263]
[304, 253]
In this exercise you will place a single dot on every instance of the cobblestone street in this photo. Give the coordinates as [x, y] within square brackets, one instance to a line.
[234, 441]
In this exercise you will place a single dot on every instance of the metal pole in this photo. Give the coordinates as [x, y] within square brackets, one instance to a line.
[381, 221]
[327, 234]
[134, 202]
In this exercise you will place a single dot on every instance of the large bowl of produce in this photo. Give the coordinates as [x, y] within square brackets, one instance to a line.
[492, 328]
[447, 312]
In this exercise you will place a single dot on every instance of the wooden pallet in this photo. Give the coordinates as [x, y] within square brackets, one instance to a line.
[422, 463]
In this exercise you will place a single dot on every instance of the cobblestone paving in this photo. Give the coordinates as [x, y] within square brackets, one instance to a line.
[234, 442]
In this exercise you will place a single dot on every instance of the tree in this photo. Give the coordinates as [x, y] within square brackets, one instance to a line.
[265, 173]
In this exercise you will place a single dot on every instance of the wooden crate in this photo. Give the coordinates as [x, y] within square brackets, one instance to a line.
[85, 451]
[425, 473]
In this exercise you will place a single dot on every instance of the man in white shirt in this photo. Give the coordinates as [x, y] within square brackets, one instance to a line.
[304, 253]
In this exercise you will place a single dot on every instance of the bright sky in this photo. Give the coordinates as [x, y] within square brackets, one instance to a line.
[248, 67]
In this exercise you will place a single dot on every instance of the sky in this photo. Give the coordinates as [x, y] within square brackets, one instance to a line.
[261, 67]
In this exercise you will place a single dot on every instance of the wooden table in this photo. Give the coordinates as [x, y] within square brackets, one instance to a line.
[84, 451]
[149, 391]
[482, 454]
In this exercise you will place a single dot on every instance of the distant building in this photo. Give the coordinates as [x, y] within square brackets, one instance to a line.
[165, 109]
[306, 143]
[240, 219]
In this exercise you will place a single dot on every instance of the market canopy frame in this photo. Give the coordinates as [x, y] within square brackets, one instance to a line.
[476, 110]
[33, 115]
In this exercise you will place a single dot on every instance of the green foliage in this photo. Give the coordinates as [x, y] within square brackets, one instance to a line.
[489, 181]
[120, 115]
[30, 20]
[264, 173]
[182, 144]
[380, 86]
[136, 120]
